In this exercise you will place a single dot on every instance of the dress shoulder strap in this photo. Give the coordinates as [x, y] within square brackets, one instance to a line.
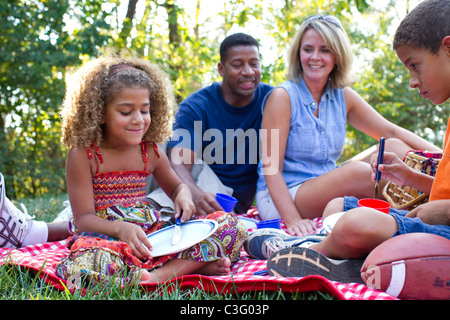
[155, 148]
[144, 153]
[144, 147]
[97, 155]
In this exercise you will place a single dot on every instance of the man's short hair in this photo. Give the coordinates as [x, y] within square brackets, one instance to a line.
[425, 26]
[237, 39]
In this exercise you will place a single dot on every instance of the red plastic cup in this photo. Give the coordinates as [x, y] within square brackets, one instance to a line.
[377, 204]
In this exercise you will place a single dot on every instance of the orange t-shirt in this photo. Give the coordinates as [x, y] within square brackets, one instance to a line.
[441, 185]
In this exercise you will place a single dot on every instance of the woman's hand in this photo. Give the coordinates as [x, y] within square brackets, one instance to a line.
[301, 227]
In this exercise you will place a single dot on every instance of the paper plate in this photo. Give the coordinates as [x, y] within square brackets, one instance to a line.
[194, 231]
[249, 222]
[330, 221]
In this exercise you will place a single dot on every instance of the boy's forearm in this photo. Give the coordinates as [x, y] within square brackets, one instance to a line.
[421, 182]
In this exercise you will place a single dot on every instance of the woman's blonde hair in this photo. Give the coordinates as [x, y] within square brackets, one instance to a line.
[94, 84]
[336, 40]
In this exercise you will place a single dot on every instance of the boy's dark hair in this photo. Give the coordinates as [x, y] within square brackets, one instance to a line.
[425, 26]
[237, 39]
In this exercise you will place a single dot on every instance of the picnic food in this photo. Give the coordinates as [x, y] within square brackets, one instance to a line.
[410, 266]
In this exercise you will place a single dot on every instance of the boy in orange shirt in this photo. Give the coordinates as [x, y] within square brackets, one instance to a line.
[422, 43]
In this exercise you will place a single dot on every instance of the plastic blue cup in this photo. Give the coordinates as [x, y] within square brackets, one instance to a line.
[226, 202]
[275, 223]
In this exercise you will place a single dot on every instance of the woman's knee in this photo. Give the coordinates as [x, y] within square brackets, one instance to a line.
[397, 146]
[358, 168]
[358, 181]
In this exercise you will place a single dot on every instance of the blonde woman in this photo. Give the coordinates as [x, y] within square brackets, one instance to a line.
[309, 113]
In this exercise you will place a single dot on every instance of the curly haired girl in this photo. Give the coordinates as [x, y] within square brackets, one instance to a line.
[115, 111]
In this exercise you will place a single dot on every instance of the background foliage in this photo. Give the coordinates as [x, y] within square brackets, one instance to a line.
[43, 40]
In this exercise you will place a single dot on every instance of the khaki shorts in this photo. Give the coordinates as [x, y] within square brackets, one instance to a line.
[266, 207]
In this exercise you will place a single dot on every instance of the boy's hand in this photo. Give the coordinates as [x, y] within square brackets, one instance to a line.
[395, 170]
[392, 169]
[433, 212]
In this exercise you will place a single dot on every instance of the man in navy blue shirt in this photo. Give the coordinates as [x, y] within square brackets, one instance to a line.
[218, 126]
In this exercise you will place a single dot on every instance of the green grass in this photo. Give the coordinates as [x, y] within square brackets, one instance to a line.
[17, 283]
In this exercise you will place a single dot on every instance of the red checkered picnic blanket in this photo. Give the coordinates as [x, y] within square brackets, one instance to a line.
[43, 258]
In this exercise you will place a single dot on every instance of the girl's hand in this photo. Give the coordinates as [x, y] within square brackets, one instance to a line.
[187, 207]
[183, 203]
[301, 227]
[136, 238]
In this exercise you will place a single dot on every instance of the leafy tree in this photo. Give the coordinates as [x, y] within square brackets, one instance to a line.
[35, 51]
[384, 83]
[40, 41]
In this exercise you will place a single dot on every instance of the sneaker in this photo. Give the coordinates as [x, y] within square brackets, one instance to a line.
[302, 262]
[14, 224]
[66, 214]
[261, 243]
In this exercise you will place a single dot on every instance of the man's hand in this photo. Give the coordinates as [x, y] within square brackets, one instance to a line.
[205, 203]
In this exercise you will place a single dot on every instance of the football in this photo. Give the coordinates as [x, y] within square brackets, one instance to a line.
[410, 266]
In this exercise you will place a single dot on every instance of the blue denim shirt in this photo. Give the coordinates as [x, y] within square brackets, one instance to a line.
[314, 143]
